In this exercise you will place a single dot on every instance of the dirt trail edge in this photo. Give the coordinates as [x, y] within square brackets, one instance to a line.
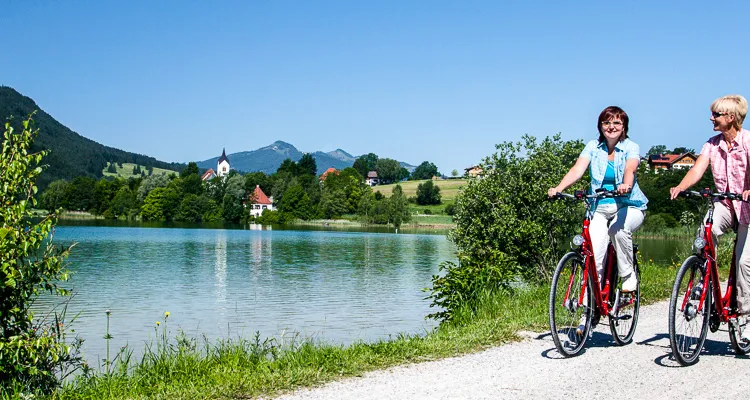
[533, 369]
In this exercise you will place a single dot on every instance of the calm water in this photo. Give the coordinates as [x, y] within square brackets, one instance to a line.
[334, 286]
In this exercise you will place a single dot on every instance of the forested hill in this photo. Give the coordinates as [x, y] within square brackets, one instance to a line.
[71, 155]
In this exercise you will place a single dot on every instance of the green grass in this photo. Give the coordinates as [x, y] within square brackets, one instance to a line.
[127, 171]
[449, 188]
[184, 368]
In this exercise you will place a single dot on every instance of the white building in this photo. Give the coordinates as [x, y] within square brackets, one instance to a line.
[222, 166]
[258, 201]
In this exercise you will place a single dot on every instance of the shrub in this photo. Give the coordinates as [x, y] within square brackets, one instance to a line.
[450, 209]
[660, 221]
[33, 354]
[428, 193]
[505, 228]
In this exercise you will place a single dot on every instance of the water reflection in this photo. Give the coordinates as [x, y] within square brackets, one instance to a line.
[332, 285]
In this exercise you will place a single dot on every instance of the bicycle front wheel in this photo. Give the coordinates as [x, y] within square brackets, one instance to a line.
[570, 318]
[623, 321]
[687, 325]
[740, 346]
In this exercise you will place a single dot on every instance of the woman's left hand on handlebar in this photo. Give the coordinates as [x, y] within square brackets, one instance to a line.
[623, 188]
[746, 195]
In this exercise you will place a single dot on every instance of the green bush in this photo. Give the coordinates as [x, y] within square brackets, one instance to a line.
[450, 209]
[505, 227]
[33, 354]
[660, 221]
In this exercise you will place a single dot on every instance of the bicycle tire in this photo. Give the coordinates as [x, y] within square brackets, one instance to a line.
[687, 330]
[564, 319]
[623, 324]
[738, 345]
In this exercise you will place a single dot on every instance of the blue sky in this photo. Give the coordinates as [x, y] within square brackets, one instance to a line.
[442, 81]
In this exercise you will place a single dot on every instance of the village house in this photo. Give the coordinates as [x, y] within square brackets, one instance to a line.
[258, 201]
[372, 178]
[670, 161]
[473, 171]
[325, 174]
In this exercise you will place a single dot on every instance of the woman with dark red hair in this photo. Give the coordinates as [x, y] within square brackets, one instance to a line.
[612, 161]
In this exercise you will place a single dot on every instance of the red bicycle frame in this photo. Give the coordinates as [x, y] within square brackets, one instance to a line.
[601, 293]
[723, 304]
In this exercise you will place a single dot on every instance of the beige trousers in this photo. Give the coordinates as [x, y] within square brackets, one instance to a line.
[616, 224]
[724, 220]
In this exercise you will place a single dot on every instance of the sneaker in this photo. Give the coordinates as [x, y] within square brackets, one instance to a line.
[630, 284]
[581, 325]
[746, 334]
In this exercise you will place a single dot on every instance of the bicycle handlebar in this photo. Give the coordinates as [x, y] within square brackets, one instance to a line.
[706, 193]
[581, 195]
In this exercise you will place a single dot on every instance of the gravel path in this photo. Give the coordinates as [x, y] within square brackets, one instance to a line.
[533, 369]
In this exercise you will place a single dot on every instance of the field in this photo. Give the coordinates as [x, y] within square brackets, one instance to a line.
[127, 171]
[449, 188]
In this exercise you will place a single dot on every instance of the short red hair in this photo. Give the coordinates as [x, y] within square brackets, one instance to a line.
[610, 113]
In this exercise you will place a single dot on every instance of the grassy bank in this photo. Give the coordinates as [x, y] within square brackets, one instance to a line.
[184, 368]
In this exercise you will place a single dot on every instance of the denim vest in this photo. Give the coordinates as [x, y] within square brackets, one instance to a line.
[596, 153]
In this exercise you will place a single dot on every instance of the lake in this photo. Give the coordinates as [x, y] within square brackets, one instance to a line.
[333, 286]
[329, 285]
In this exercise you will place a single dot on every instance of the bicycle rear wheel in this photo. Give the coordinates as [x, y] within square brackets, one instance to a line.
[740, 346]
[622, 323]
[565, 312]
[687, 325]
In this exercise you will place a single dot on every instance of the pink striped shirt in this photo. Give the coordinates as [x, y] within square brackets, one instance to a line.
[729, 167]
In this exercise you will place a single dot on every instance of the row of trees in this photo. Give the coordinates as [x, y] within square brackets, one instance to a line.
[296, 191]
[390, 170]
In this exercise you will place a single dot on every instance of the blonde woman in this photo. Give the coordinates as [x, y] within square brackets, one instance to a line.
[727, 153]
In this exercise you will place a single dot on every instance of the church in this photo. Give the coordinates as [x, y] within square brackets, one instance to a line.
[222, 167]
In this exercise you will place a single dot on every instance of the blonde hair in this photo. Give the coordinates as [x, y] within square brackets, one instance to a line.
[732, 104]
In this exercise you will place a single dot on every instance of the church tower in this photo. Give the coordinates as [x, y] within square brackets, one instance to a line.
[222, 167]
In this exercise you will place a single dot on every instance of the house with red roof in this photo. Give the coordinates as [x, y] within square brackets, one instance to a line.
[328, 171]
[258, 201]
[208, 175]
[670, 161]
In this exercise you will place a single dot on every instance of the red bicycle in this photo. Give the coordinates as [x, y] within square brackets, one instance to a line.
[577, 298]
[692, 308]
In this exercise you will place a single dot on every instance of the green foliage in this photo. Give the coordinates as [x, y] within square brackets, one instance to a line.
[365, 164]
[191, 169]
[656, 185]
[388, 170]
[428, 193]
[33, 354]
[296, 202]
[54, 197]
[450, 209]
[454, 173]
[426, 170]
[656, 222]
[160, 204]
[111, 168]
[307, 165]
[504, 223]
[656, 149]
[398, 207]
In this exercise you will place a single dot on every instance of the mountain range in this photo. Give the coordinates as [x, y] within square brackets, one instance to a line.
[72, 155]
[268, 159]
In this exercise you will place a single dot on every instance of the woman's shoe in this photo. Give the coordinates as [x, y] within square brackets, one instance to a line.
[630, 284]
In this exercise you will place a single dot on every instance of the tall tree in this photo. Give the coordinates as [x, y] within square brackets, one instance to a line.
[426, 170]
[398, 207]
[388, 170]
[657, 149]
[307, 165]
[365, 164]
[428, 193]
[683, 150]
[191, 169]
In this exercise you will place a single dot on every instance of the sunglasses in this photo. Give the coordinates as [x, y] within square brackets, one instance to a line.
[717, 114]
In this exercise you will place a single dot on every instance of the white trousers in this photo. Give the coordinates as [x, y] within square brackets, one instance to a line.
[616, 224]
[725, 220]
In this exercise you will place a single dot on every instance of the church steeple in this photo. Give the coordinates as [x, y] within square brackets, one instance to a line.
[223, 156]
[222, 166]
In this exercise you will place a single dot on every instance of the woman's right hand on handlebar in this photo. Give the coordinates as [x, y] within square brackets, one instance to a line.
[552, 192]
[674, 192]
